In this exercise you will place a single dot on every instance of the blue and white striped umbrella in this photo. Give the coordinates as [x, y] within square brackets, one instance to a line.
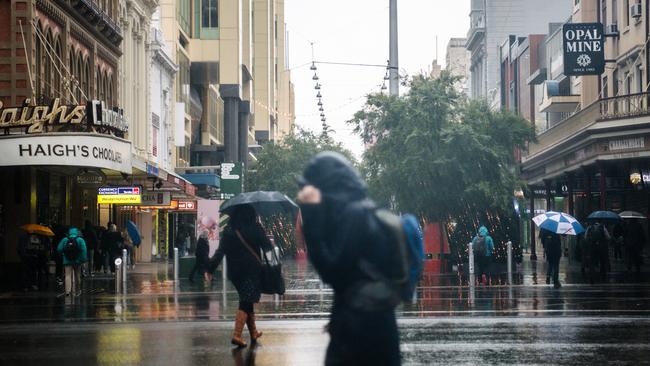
[559, 223]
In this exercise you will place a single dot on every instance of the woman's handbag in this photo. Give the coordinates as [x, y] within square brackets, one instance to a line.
[272, 281]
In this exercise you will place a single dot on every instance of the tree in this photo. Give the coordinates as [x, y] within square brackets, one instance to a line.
[442, 157]
[278, 164]
[276, 169]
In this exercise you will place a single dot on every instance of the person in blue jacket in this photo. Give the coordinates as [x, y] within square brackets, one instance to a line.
[74, 255]
[483, 247]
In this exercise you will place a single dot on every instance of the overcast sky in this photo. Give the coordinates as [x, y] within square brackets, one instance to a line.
[356, 31]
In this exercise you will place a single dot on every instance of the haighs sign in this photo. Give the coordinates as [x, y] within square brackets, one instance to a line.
[584, 51]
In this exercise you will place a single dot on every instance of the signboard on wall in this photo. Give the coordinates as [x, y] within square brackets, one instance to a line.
[156, 198]
[231, 180]
[584, 52]
[75, 149]
[119, 195]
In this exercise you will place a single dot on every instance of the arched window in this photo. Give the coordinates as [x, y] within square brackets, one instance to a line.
[102, 91]
[106, 91]
[98, 84]
[70, 75]
[39, 62]
[109, 94]
[78, 75]
[49, 66]
[87, 77]
[83, 78]
[57, 76]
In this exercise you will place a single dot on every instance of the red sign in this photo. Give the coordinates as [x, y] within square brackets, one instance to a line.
[187, 205]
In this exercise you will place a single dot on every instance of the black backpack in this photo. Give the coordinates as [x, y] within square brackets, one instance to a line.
[479, 246]
[71, 248]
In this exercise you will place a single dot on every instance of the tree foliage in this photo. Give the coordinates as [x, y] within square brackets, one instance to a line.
[278, 164]
[441, 156]
[277, 167]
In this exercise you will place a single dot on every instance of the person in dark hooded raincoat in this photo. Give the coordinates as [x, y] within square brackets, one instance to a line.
[244, 266]
[340, 228]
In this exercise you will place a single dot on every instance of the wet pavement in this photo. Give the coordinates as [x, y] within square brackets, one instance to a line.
[157, 322]
[429, 341]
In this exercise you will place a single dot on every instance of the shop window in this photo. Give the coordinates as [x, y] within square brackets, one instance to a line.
[50, 197]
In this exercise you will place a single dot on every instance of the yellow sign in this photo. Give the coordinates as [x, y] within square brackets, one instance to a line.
[120, 199]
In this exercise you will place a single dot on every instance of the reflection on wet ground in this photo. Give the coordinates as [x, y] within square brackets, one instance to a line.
[158, 322]
[152, 296]
[431, 341]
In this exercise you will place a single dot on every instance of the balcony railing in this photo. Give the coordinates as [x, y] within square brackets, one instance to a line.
[621, 107]
[99, 19]
[625, 106]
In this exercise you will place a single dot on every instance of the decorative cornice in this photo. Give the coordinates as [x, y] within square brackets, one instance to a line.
[75, 11]
[52, 11]
[161, 56]
[81, 35]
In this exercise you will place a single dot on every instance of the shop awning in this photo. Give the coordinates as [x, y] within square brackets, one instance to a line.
[207, 179]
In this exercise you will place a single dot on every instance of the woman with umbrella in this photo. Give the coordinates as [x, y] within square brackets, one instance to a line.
[242, 239]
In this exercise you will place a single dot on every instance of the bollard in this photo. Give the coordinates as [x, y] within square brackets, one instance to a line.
[509, 244]
[176, 265]
[124, 262]
[118, 275]
[224, 269]
[471, 258]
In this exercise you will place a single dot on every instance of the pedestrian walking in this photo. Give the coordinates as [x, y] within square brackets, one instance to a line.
[27, 262]
[483, 247]
[242, 239]
[202, 262]
[92, 243]
[342, 235]
[597, 240]
[127, 244]
[634, 242]
[618, 240]
[112, 243]
[553, 250]
[74, 252]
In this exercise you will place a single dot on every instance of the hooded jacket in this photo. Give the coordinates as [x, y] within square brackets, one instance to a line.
[338, 232]
[343, 227]
[489, 243]
[73, 234]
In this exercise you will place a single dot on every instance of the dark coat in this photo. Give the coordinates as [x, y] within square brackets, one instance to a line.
[338, 233]
[112, 242]
[552, 244]
[90, 237]
[244, 269]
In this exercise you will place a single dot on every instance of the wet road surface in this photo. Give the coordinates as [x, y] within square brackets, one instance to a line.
[156, 322]
[428, 341]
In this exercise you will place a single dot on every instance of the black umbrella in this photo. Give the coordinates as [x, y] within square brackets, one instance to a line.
[604, 216]
[265, 203]
[632, 215]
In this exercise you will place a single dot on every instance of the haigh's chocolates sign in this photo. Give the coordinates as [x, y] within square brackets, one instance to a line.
[48, 118]
[584, 52]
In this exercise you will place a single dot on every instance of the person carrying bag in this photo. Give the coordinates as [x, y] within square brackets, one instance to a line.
[242, 238]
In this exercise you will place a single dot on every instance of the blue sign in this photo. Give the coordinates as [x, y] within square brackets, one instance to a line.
[152, 170]
[118, 190]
